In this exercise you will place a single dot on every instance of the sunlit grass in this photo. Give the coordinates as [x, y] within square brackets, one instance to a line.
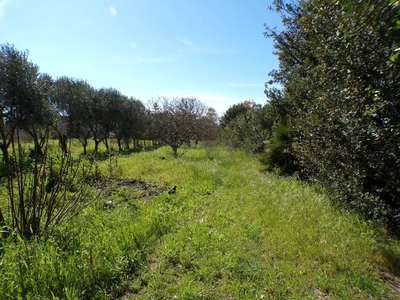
[250, 235]
[230, 232]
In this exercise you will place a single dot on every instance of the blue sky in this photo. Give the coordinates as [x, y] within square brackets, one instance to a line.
[213, 50]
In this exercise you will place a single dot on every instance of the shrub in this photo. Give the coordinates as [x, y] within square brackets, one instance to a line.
[279, 156]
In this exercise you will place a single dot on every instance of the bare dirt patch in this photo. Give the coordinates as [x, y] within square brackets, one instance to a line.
[127, 189]
[149, 190]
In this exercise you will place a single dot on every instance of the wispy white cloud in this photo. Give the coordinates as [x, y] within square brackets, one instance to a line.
[138, 59]
[5, 5]
[112, 11]
[195, 48]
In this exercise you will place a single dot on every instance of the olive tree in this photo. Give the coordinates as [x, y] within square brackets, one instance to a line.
[12, 64]
[25, 99]
[71, 99]
[98, 116]
[134, 122]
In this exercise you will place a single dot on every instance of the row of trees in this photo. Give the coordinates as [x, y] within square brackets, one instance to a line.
[85, 113]
[334, 103]
[47, 189]
[72, 109]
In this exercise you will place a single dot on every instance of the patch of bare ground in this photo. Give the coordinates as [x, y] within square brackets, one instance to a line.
[133, 189]
[149, 190]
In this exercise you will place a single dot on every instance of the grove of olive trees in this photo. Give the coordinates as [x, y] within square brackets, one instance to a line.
[43, 188]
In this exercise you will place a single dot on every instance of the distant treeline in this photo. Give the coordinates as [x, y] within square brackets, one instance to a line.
[69, 108]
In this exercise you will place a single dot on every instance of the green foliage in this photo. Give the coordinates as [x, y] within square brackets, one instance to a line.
[232, 113]
[44, 191]
[70, 108]
[24, 94]
[340, 78]
[279, 155]
[248, 127]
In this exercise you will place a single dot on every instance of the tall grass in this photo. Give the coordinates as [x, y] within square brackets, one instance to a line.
[230, 232]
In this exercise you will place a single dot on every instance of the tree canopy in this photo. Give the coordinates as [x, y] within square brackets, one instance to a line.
[71, 108]
[180, 120]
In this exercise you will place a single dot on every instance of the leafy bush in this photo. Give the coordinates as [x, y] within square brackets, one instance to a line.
[44, 191]
[340, 72]
[246, 126]
[279, 156]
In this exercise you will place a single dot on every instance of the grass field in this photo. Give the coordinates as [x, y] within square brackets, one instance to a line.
[229, 232]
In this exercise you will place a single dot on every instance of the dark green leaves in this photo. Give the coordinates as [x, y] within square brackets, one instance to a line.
[340, 80]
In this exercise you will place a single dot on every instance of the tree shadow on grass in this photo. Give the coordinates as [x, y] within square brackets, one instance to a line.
[391, 274]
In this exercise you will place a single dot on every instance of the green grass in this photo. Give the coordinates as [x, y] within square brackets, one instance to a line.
[230, 232]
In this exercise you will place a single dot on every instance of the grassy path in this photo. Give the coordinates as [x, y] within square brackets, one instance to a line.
[229, 232]
[240, 234]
